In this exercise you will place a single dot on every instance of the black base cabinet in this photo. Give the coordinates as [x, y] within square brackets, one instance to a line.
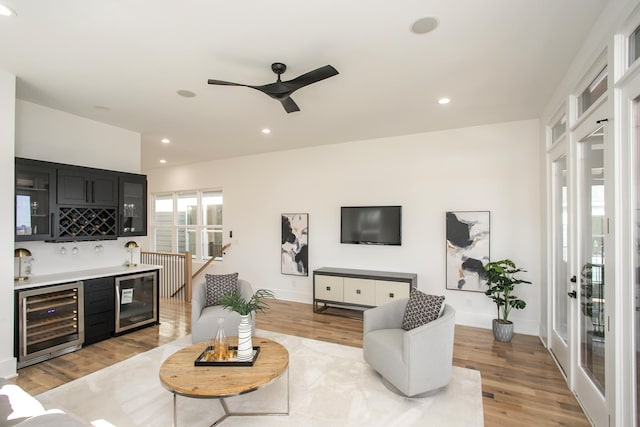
[99, 309]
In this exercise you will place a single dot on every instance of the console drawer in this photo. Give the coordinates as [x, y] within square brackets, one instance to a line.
[387, 291]
[329, 288]
[359, 291]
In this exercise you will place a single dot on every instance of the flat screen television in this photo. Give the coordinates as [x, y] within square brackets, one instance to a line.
[371, 225]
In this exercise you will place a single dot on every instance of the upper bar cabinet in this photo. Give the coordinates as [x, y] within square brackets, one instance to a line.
[35, 184]
[133, 205]
[79, 186]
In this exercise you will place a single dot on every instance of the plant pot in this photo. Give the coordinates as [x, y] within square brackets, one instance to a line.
[502, 331]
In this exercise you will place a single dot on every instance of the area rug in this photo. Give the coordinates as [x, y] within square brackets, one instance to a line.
[329, 385]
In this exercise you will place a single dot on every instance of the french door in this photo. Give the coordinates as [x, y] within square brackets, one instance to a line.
[592, 270]
[629, 277]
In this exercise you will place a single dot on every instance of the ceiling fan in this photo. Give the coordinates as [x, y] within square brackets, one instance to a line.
[282, 90]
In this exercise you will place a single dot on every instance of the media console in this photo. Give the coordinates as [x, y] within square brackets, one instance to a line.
[358, 289]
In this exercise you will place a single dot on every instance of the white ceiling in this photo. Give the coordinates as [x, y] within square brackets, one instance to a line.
[498, 60]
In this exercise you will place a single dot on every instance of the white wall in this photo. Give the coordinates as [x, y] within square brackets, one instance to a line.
[494, 168]
[7, 129]
[46, 134]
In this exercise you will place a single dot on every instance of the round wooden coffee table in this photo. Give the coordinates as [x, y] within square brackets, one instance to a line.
[179, 375]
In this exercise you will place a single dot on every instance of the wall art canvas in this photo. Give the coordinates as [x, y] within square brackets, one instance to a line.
[467, 250]
[294, 256]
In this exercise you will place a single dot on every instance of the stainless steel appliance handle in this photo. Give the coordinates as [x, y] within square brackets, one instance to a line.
[24, 326]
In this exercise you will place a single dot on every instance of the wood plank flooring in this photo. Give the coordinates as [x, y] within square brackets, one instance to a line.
[520, 381]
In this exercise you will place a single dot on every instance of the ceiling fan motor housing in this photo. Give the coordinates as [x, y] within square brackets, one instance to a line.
[278, 68]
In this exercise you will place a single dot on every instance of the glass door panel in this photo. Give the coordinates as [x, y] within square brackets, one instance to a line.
[559, 342]
[136, 300]
[560, 242]
[636, 251]
[133, 205]
[34, 200]
[592, 259]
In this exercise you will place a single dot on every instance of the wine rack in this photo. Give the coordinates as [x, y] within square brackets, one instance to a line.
[50, 322]
[87, 223]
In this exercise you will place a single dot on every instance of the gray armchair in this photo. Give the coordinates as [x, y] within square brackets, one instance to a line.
[412, 362]
[204, 320]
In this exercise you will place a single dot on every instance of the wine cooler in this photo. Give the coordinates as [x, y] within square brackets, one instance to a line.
[136, 301]
[50, 322]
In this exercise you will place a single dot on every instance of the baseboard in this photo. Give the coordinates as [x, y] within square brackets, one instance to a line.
[8, 368]
[294, 296]
[520, 326]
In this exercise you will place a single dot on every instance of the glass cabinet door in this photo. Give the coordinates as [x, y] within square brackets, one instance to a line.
[34, 200]
[133, 205]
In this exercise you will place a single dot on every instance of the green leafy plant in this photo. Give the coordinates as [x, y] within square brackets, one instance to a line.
[235, 301]
[502, 281]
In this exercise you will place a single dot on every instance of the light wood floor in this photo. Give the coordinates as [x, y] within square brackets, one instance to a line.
[521, 384]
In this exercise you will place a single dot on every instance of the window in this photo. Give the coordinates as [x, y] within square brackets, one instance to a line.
[188, 221]
[592, 93]
[212, 222]
[634, 46]
[559, 129]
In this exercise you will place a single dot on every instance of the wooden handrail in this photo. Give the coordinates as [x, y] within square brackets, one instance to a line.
[189, 278]
[206, 264]
[164, 253]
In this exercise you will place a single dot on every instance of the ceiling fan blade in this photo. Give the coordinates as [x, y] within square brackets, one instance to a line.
[312, 77]
[289, 105]
[223, 83]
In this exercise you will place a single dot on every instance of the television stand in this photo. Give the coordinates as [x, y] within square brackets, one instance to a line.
[350, 291]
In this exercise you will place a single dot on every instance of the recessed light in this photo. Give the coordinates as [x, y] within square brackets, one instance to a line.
[5, 11]
[163, 161]
[443, 101]
[266, 131]
[425, 25]
[165, 140]
[186, 93]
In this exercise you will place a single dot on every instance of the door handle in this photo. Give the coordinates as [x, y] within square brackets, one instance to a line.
[573, 279]
[573, 294]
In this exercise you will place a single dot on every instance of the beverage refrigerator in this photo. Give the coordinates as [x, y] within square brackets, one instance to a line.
[136, 301]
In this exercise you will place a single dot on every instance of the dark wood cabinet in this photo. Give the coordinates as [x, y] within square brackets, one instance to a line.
[35, 184]
[80, 186]
[133, 205]
[99, 309]
[60, 202]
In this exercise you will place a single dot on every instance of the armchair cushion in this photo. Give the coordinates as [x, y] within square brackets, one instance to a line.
[421, 309]
[204, 319]
[218, 285]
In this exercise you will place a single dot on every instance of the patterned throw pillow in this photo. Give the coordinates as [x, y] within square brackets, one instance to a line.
[421, 309]
[218, 285]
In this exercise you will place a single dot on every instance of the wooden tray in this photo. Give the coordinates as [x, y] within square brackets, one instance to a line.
[201, 361]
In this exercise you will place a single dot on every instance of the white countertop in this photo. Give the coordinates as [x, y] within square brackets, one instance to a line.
[72, 276]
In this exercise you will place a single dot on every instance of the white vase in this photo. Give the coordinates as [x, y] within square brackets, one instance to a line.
[245, 346]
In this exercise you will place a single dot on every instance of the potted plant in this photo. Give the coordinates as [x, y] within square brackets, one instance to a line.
[235, 301]
[501, 280]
